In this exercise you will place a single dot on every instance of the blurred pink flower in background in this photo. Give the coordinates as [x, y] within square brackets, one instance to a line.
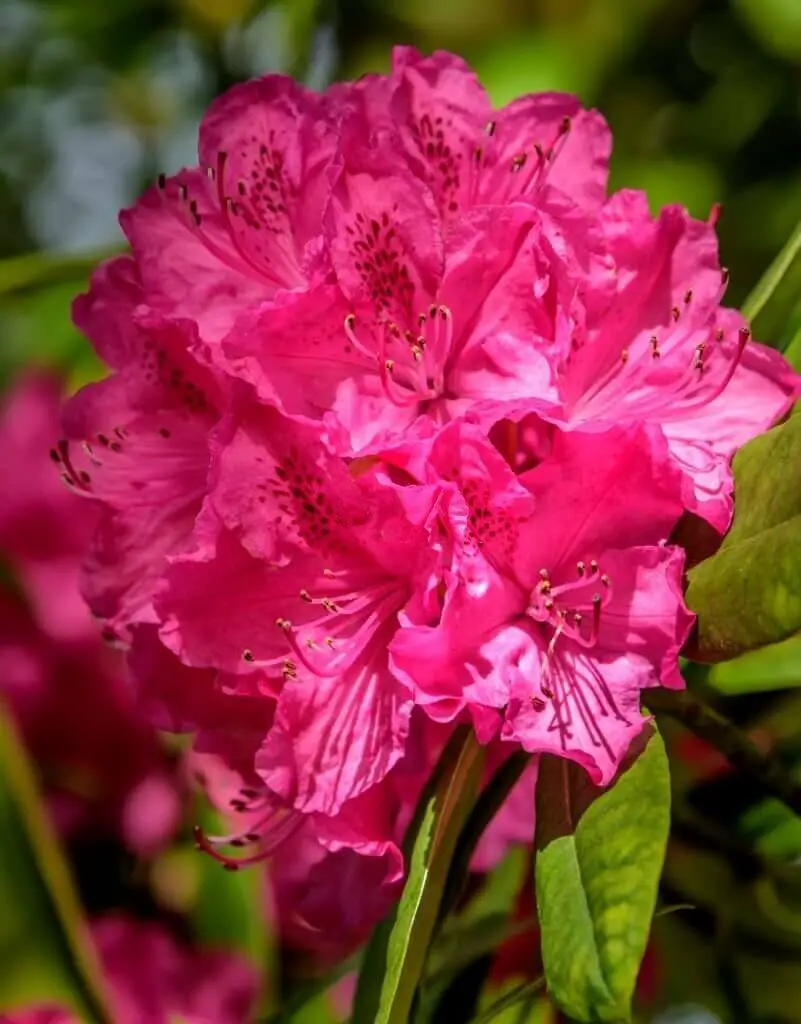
[151, 978]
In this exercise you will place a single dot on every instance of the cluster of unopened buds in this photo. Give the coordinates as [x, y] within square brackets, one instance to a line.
[404, 408]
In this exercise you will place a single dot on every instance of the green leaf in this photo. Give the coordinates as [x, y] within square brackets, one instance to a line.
[395, 957]
[775, 667]
[775, 294]
[45, 947]
[230, 912]
[40, 269]
[599, 859]
[748, 594]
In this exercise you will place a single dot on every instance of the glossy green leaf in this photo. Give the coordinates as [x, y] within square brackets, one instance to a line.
[599, 859]
[775, 667]
[230, 912]
[45, 948]
[748, 594]
[395, 958]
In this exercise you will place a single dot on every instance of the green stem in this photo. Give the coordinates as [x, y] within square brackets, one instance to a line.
[732, 742]
[510, 999]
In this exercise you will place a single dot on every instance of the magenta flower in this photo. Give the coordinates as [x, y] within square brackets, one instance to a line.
[658, 348]
[321, 862]
[394, 222]
[540, 148]
[404, 411]
[151, 978]
[292, 591]
[417, 324]
[572, 600]
[244, 225]
[143, 453]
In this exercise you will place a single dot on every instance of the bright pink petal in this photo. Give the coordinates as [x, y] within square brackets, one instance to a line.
[327, 861]
[470, 155]
[543, 142]
[278, 487]
[642, 344]
[188, 265]
[105, 312]
[144, 457]
[440, 110]
[384, 238]
[508, 287]
[583, 498]
[337, 737]
[151, 483]
[593, 715]
[269, 143]
[341, 718]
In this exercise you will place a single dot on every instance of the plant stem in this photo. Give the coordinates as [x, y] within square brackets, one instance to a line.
[732, 742]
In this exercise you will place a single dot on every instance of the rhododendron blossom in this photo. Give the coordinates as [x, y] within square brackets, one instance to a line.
[143, 456]
[291, 590]
[661, 349]
[403, 413]
[573, 599]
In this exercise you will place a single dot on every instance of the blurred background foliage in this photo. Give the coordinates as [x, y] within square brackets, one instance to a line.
[704, 100]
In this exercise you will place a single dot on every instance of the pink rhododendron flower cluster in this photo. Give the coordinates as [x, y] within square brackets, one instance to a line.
[151, 978]
[104, 770]
[403, 411]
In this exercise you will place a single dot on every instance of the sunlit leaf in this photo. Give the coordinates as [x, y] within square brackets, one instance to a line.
[395, 958]
[599, 859]
[748, 594]
[775, 667]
